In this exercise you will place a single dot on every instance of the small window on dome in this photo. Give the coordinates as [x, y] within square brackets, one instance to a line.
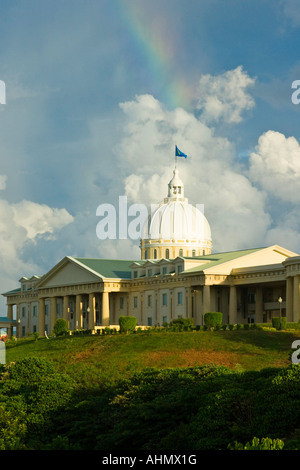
[179, 190]
[167, 253]
[174, 189]
[180, 252]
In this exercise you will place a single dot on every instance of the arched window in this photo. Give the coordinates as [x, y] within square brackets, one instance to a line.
[155, 254]
[194, 253]
[167, 253]
[146, 254]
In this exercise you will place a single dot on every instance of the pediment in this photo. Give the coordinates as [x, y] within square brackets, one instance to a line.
[67, 273]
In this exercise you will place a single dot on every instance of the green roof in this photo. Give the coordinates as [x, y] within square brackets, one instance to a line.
[220, 258]
[109, 268]
[14, 291]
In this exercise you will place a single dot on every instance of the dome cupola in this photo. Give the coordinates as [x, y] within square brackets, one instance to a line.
[175, 227]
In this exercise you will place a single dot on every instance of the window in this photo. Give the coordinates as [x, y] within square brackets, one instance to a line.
[58, 309]
[164, 299]
[155, 254]
[180, 252]
[179, 298]
[149, 300]
[34, 310]
[34, 328]
[146, 254]
[46, 309]
[149, 321]
[194, 253]
[23, 312]
[121, 303]
[149, 272]
[179, 269]
[164, 271]
[167, 253]
[135, 302]
[135, 274]
[23, 330]
[164, 319]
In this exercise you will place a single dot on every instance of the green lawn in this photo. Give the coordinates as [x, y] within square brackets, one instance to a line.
[103, 360]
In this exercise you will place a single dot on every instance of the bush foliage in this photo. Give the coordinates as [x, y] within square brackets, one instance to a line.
[212, 319]
[127, 323]
[60, 327]
[276, 323]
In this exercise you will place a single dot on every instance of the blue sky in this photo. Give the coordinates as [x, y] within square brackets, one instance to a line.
[98, 93]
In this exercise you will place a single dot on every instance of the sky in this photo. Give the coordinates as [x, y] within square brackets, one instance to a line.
[99, 92]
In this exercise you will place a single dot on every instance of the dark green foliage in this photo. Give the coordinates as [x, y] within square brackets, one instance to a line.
[276, 323]
[182, 324]
[60, 327]
[31, 390]
[174, 409]
[212, 319]
[127, 323]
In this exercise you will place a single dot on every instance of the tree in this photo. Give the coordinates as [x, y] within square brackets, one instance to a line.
[60, 327]
[127, 323]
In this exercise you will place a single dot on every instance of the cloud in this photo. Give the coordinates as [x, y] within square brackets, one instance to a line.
[210, 174]
[291, 11]
[224, 97]
[22, 225]
[3, 179]
[275, 166]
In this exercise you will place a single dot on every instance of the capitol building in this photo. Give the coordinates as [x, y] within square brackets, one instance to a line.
[177, 275]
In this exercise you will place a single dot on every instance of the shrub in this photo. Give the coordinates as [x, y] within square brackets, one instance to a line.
[127, 323]
[60, 327]
[264, 444]
[276, 323]
[182, 324]
[246, 326]
[212, 319]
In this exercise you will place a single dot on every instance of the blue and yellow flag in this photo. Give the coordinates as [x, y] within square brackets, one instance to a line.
[178, 153]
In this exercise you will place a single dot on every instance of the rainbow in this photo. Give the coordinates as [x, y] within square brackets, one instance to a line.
[158, 53]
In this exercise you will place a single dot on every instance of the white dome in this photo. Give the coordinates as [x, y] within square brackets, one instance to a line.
[176, 220]
[176, 227]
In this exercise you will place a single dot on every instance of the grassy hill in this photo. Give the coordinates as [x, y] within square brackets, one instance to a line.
[114, 357]
[166, 391]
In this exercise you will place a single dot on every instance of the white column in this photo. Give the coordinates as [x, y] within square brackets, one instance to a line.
[289, 299]
[41, 327]
[92, 312]
[259, 305]
[232, 305]
[105, 309]
[296, 300]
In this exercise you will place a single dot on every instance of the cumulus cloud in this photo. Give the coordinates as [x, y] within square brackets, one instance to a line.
[275, 165]
[210, 174]
[224, 97]
[21, 225]
[39, 219]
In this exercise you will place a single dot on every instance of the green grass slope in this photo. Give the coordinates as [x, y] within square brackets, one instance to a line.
[166, 391]
[94, 360]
